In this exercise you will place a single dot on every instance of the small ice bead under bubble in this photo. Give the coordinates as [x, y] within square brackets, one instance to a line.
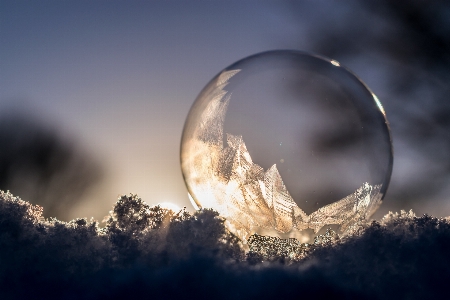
[287, 143]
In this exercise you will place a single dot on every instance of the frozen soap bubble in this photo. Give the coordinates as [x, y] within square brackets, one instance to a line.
[286, 143]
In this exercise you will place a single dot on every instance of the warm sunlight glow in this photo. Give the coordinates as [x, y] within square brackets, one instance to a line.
[171, 206]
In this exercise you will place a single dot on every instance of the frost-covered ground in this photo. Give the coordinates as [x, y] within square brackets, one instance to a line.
[154, 253]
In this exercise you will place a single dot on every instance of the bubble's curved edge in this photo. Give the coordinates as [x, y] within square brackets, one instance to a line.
[333, 62]
[380, 107]
[194, 204]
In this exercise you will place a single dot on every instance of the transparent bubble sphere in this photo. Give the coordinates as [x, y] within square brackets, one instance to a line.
[286, 143]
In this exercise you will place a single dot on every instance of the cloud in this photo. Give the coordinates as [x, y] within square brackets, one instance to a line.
[157, 253]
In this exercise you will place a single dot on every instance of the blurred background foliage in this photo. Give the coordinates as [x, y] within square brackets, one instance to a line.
[401, 49]
[42, 166]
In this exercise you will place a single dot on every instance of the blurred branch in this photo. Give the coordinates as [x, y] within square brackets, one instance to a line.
[401, 50]
[42, 167]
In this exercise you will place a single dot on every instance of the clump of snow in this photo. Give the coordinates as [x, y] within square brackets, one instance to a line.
[162, 254]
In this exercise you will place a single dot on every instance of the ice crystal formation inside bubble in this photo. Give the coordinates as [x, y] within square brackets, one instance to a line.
[286, 143]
